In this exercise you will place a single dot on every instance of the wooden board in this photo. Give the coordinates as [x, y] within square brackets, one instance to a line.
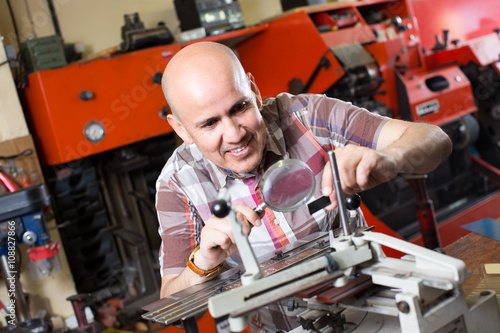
[12, 121]
[475, 250]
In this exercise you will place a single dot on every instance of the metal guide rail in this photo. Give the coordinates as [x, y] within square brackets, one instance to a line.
[193, 301]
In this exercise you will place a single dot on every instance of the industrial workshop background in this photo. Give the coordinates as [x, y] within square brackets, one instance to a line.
[83, 92]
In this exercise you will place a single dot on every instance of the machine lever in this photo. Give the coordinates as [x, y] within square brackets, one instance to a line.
[296, 86]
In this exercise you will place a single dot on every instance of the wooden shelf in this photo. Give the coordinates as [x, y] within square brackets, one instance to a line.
[337, 5]
[231, 38]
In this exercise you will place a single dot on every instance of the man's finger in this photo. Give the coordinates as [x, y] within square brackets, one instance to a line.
[327, 181]
[248, 214]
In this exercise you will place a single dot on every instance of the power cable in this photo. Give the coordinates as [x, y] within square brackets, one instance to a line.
[14, 23]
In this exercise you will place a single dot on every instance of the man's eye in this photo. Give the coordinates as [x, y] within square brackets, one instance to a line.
[209, 124]
[241, 107]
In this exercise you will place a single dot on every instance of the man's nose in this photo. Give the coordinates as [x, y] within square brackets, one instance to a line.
[233, 131]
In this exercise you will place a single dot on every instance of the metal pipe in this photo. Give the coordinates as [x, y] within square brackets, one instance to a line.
[16, 296]
[14, 24]
[53, 15]
[425, 211]
[190, 325]
[339, 193]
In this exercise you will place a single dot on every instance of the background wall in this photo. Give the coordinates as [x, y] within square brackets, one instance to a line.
[12, 122]
[97, 24]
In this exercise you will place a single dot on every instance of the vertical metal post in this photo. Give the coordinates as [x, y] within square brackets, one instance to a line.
[339, 193]
[190, 325]
[79, 302]
[17, 298]
[425, 212]
[222, 208]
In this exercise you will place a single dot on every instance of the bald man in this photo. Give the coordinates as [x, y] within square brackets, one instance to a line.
[230, 139]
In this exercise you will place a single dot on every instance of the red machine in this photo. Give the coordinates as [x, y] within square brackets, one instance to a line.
[360, 61]
[90, 107]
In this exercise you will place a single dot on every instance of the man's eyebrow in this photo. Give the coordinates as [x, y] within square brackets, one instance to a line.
[237, 103]
[205, 121]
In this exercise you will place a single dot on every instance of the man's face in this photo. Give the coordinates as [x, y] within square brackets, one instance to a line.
[224, 121]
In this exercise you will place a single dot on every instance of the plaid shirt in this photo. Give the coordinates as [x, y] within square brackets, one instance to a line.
[302, 127]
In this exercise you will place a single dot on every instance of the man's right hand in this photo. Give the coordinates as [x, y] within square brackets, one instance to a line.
[217, 241]
[216, 244]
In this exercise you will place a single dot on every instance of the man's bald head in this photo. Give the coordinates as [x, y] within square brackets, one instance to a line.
[196, 68]
[216, 106]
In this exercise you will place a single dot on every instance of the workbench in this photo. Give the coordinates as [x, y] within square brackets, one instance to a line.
[476, 250]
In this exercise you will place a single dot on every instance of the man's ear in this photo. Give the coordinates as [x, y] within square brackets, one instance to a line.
[179, 129]
[255, 89]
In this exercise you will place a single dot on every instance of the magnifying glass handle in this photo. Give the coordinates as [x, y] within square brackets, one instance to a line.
[260, 209]
[352, 202]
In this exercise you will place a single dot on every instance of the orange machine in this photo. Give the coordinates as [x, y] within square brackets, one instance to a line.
[90, 107]
[358, 52]
[94, 106]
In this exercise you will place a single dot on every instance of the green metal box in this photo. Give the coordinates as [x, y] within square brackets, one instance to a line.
[43, 53]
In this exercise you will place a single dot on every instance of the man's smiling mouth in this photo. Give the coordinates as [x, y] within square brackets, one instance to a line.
[238, 150]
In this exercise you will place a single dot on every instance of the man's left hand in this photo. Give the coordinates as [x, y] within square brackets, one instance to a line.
[360, 169]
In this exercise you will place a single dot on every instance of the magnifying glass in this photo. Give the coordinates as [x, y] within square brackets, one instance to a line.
[286, 185]
[289, 184]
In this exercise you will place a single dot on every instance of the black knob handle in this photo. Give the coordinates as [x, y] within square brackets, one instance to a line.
[292, 305]
[86, 95]
[220, 208]
[164, 112]
[398, 23]
[157, 77]
[353, 202]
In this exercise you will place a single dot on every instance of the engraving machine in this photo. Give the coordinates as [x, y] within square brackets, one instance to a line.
[423, 290]
[348, 286]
